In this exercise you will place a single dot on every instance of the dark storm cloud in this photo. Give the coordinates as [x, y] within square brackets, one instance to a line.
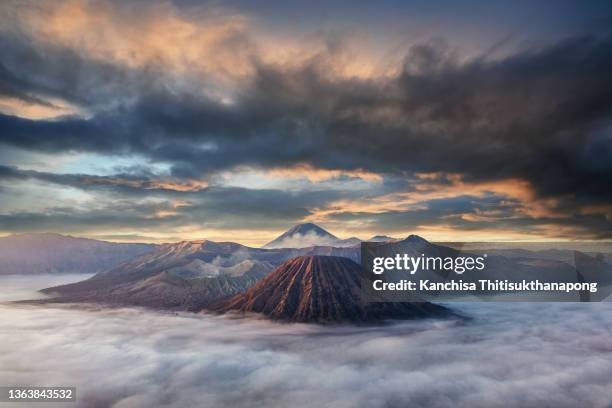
[241, 208]
[238, 199]
[541, 115]
[132, 184]
[11, 173]
[141, 202]
[34, 72]
[507, 216]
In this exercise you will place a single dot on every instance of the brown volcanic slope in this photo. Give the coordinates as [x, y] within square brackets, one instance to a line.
[324, 289]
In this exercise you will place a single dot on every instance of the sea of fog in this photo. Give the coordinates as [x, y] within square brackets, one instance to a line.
[508, 354]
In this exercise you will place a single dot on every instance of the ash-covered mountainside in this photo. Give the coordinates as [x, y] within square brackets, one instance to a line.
[321, 289]
[185, 275]
[191, 275]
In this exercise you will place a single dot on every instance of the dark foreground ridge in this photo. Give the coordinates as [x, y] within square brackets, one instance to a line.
[322, 289]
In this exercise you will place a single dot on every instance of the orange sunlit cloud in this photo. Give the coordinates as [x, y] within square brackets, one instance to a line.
[434, 186]
[52, 108]
[317, 174]
[180, 185]
[443, 185]
[212, 40]
[171, 209]
[156, 35]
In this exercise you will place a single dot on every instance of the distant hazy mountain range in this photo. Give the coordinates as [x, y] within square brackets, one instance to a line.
[191, 275]
[55, 253]
[308, 284]
[314, 284]
[187, 275]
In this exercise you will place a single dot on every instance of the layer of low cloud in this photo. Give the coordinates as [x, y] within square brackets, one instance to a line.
[519, 355]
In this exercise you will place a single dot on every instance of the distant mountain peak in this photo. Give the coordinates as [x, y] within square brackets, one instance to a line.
[416, 239]
[301, 236]
[306, 227]
[381, 238]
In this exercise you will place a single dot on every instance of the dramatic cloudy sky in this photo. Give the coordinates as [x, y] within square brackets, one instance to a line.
[159, 121]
